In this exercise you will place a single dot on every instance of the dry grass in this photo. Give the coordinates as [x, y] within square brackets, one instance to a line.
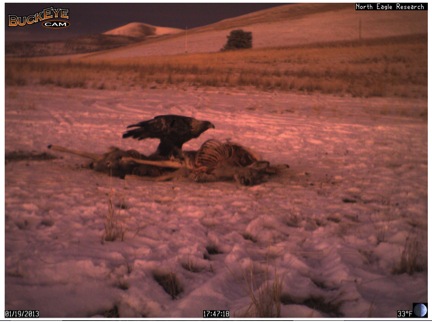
[114, 227]
[192, 265]
[385, 67]
[279, 13]
[412, 259]
[265, 297]
[169, 282]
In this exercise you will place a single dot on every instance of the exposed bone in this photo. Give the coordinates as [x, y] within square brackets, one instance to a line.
[179, 173]
[158, 163]
[112, 162]
[212, 154]
[84, 154]
[214, 161]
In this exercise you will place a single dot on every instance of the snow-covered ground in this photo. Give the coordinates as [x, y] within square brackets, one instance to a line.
[330, 231]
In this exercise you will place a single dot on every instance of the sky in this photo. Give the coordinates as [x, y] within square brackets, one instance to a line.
[94, 18]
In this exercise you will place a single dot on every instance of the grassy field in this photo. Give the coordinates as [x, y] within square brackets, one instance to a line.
[386, 67]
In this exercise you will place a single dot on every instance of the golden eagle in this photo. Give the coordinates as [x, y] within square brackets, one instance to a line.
[172, 130]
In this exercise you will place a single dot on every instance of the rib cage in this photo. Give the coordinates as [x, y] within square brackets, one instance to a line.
[214, 161]
[214, 153]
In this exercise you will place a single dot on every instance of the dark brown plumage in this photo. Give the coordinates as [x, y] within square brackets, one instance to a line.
[172, 130]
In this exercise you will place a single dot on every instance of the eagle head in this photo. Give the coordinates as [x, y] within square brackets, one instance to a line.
[199, 127]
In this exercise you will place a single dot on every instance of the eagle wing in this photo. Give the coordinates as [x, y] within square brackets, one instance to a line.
[160, 127]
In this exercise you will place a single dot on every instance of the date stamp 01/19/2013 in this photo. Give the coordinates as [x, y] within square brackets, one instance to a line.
[22, 314]
[31, 314]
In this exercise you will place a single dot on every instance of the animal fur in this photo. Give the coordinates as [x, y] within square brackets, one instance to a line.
[112, 162]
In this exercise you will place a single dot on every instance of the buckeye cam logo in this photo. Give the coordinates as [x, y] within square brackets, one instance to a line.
[56, 24]
[52, 18]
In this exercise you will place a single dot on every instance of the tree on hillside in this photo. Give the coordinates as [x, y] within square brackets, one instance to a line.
[238, 39]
